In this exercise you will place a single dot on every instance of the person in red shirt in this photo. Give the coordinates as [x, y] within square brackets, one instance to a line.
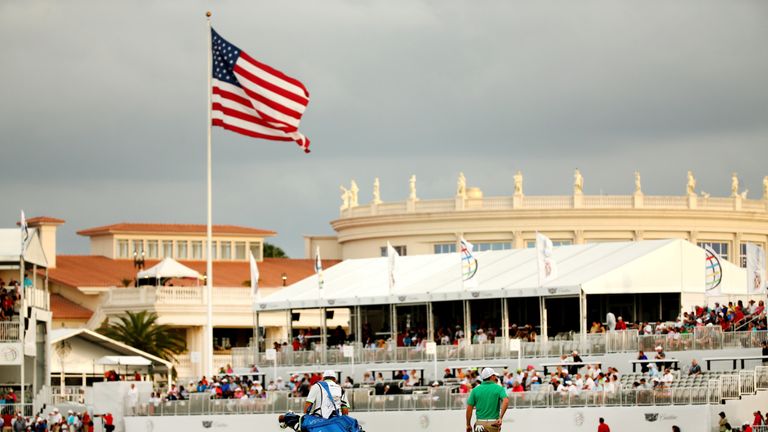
[87, 422]
[603, 427]
[758, 421]
[621, 324]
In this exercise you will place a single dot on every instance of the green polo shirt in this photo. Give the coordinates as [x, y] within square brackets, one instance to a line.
[486, 398]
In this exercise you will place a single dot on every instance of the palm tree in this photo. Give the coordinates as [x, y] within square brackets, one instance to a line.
[141, 331]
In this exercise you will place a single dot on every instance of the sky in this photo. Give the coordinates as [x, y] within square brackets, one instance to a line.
[103, 104]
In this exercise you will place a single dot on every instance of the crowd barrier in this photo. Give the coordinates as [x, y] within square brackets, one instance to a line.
[727, 385]
[703, 338]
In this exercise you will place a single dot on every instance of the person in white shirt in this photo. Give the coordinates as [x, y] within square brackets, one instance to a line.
[589, 384]
[667, 378]
[318, 402]
[132, 399]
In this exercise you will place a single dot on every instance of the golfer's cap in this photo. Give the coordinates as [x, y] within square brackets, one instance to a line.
[329, 374]
[487, 373]
[658, 348]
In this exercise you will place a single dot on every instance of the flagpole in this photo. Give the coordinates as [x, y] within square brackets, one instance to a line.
[208, 348]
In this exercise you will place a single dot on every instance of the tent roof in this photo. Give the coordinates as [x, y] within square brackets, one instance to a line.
[58, 335]
[168, 268]
[123, 361]
[10, 247]
[597, 268]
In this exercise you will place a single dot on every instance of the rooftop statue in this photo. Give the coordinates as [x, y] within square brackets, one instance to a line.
[518, 183]
[765, 188]
[734, 185]
[578, 182]
[638, 185]
[412, 195]
[691, 187]
[353, 190]
[376, 191]
[345, 197]
[461, 186]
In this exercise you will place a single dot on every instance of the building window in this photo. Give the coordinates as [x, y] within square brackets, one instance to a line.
[181, 249]
[401, 250]
[138, 247]
[167, 248]
[442, 248]
[226, 250]
[495, 246]
[214, 250]
[555, 243]
[240, 250]
[255, 248]
[721, 248]
[122, 248]
[197, 249]
[743, 256]
[151, 248]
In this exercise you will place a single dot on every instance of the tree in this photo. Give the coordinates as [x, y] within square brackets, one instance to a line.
[272, 251]
[141, 331]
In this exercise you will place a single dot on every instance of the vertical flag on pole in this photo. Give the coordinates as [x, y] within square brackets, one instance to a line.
[318, 269]
[254, 277]
[24, 231]
[713, 272]
[469, 264]
[546, 262]
[391, 262]
[755, 269]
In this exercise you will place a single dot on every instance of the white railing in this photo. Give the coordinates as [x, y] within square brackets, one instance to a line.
[747, 382]
[10, 331]
[761, 377]
[36, 297]
[556, 202]
[608, 201]
[195, 295]
[670, 202]
[363, 400]
[703, 338]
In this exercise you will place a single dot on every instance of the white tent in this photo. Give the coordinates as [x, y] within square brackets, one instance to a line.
[10, 247]
[168, 268]
[654, 266]
[123, 361]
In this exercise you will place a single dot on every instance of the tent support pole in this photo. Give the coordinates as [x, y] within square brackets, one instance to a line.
[359, 325]
[430, 323]
[582, 317]
[289, 325]
[256, 334]
[543, 318]
[504, 321]
[393, 327]
[323, 335]
[467, 322]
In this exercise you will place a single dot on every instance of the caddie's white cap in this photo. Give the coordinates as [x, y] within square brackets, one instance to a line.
[486, 373]
[329, 374]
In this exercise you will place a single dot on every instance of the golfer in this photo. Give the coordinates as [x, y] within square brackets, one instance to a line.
[490, 400]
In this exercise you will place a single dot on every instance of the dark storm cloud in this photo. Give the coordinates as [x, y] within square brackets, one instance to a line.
[103, 104]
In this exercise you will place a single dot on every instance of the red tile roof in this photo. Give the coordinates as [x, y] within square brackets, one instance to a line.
[37, 220]
[64, 308]
[100, 271]
[141, 228]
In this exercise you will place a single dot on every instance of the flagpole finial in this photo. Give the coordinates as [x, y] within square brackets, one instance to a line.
[208, 14]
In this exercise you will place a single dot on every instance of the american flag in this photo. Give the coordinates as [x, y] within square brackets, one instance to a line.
[253, 99]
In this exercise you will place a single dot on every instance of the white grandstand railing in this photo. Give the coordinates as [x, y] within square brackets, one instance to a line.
[704, 338]
[725, 386]
[363, 400]
[761, 378]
